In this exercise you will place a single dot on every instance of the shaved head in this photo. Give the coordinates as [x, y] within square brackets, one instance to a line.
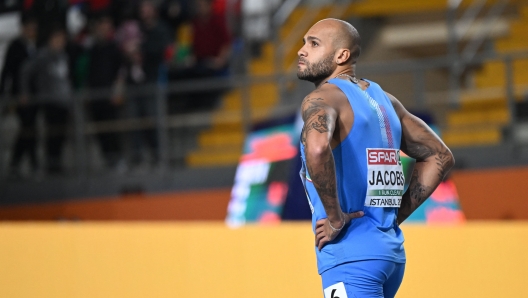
[343, 34]
[331, 46]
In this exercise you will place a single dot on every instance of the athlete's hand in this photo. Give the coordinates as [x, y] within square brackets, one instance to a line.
[324, 233]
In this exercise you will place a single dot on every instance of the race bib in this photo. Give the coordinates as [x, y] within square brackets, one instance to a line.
[336, 291]
[385, 180]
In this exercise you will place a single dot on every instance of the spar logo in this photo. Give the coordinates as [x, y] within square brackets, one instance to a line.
[383, 157]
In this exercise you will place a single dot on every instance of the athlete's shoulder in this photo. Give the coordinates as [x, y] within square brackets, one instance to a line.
[397, 105]
[327, 94]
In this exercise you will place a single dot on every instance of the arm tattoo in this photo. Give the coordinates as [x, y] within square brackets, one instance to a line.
[311, 110]
[414, 197]
[321, 125]
[433, 161]
[418, 151]
[442, 161]
[424, 181]
[418, 192]
[313, 120]
[325, 183]
[321, 167]
[308, 99]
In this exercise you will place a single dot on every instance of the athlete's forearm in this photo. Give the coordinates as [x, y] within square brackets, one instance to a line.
[416, 194]
[426, 176]
[321, 168]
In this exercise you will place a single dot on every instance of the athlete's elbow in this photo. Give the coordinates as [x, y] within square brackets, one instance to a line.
[446, 160]
[451, 160]
[316, 151]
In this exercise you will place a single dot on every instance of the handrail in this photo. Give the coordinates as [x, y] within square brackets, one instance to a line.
[284, 12]
[236, 81]
[364, 69]
[469, 17]
[458, 29]
[204, 118]
[471, 49]
[82, 128]
[162, 123]
[294, 34]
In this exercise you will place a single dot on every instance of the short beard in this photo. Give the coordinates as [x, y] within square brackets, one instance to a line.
[318, 71]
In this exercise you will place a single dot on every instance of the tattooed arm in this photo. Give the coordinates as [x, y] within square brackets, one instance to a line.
[433, 159]
[319, 125]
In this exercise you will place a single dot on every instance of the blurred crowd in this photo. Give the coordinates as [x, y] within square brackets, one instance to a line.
[117, 51]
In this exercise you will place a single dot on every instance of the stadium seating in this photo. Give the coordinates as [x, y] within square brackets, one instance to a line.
[484, 113]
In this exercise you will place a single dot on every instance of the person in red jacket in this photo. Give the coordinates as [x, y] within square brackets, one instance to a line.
[211, 51]
[211, 39]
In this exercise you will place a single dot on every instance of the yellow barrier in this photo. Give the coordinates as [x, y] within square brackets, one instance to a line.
[210, 260]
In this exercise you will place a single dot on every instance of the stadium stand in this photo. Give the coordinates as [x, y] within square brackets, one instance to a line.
[483, 111]
[479, 119]
[196, 144]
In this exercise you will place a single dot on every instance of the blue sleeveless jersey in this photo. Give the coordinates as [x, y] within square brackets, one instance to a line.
[369, 178]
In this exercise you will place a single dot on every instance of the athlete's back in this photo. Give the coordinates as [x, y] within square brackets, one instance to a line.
[369, 178]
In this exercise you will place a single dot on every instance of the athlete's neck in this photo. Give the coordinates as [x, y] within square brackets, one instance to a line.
[339, 71]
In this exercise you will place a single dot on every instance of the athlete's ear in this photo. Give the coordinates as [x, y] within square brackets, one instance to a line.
[342, 56]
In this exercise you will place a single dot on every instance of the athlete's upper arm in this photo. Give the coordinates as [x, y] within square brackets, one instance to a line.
[319, 118]
[418, 140]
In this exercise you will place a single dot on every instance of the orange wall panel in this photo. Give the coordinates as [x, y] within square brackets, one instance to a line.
[192, 205]
[493, 194]
[159, 259]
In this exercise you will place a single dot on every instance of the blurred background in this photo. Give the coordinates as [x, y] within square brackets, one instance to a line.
[150, 148]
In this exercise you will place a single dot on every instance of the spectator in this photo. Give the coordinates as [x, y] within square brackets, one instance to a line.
[211, 48]
[50, 14]
[175, 12]
[105, 62]
[18, 51]
[143, 69]
[49, 72]
[123, 10]
[140, 105]
[156, 40]
[257, 25]
[211, 41]
[128, 36]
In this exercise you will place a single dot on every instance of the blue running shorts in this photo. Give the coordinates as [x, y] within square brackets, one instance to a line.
[363, 279]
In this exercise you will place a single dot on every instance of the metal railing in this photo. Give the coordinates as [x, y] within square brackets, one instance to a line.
[178, 129]
[459, 28]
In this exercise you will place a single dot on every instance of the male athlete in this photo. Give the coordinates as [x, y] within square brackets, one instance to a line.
[350, 146]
